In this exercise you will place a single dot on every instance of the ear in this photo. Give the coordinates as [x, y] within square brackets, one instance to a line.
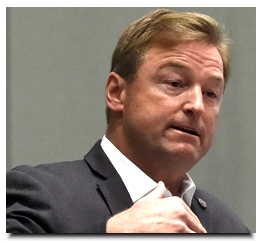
[115, 92]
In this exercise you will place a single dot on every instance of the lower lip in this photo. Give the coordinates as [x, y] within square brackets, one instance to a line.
[184, 133]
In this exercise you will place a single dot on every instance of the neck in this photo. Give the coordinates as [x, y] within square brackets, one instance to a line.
[157, 167]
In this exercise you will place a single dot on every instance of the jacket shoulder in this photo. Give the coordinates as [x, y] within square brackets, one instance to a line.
[214, 215]
[53, 198]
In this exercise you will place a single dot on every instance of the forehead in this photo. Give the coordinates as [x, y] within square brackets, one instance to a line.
[194, 50]
[197, 54]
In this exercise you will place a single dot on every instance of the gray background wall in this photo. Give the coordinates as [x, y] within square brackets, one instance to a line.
[57, 63]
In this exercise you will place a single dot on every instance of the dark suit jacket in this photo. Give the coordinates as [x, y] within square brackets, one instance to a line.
[79, 197]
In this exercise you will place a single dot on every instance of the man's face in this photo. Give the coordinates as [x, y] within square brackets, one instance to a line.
[172, 106]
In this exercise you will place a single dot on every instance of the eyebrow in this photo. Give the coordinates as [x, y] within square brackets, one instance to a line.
[180, 65]
[174, 65]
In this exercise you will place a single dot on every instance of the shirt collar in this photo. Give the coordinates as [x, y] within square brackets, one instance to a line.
[136, 181]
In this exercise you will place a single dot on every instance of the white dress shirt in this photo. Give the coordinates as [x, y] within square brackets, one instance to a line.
[136, 181]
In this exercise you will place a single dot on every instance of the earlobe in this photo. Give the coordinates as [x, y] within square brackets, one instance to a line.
[115, 92]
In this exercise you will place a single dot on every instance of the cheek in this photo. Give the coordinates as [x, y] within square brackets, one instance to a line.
[145, 116]
[214, 120]
[144, 104]
[210, 125]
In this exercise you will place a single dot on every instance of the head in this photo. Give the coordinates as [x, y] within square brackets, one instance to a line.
[136, 40]
[163, 94]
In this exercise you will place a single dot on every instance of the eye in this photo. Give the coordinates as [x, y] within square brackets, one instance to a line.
[175, 84]
[211, 94]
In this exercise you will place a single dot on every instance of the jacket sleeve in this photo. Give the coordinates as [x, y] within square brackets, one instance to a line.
[29, 205]
[55, 198]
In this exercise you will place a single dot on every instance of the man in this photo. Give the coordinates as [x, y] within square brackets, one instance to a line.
[163, 95]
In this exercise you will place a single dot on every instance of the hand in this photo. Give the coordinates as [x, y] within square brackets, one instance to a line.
[155, 214]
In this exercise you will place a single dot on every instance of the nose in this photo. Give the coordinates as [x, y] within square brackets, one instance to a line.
[194, 103]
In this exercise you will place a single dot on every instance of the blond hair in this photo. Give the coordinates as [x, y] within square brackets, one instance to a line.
[165, 26]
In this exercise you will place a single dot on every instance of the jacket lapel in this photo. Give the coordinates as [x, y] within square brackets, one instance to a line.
[200, 207]
[115, 194]
[111, 185]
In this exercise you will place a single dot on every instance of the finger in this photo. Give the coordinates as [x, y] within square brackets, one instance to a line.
[200, 230]
[191, 219]
[157, 193]
[192, 226]
[188, 209]
[196, 226]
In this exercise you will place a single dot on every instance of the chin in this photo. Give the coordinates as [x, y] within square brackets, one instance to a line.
[187, 156]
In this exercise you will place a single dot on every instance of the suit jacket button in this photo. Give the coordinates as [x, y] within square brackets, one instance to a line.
[202, 203]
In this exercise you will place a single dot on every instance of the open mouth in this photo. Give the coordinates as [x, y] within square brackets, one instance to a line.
[186, 130]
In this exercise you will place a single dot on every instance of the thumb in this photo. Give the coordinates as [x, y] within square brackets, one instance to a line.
[157, 193]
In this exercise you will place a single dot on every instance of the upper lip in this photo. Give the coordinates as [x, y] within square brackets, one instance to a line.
[191, 130]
